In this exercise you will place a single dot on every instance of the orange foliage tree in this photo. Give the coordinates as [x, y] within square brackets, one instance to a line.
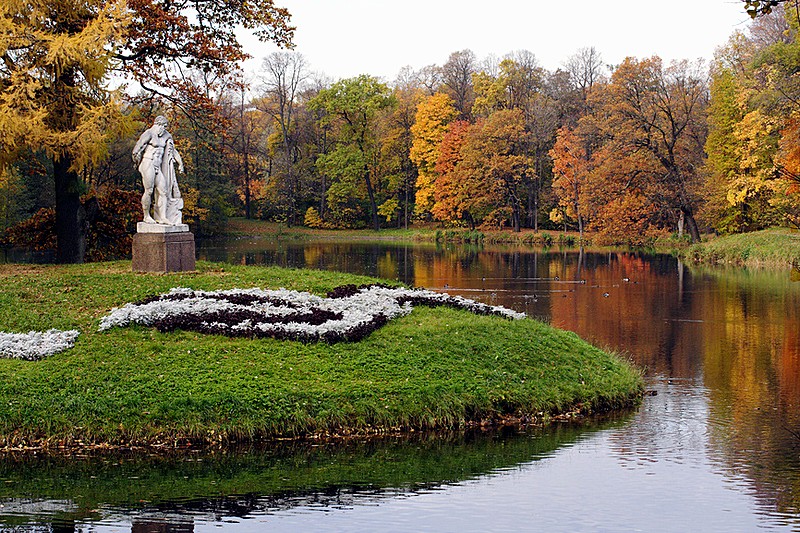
[111, 217]
[787, 190]
[448, 193]
[654, 118]
[571, 166]
[481, 170]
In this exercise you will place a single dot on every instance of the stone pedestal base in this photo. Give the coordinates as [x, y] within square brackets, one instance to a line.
[163, 252]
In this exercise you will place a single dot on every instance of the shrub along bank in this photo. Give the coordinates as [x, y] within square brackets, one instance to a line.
[434, 368]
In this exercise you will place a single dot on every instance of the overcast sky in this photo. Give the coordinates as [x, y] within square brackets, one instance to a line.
[345, 38]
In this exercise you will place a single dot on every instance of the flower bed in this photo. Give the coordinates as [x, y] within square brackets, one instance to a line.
[349, 313]
[36, 345]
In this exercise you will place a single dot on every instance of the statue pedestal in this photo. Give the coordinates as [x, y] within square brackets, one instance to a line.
[160, 248]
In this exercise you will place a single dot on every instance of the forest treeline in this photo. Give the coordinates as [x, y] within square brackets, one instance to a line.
[628, 152]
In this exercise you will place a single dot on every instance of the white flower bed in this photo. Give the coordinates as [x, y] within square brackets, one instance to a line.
[348, 314]
[36, 345]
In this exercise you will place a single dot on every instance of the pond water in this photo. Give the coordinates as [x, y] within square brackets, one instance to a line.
[714, 447]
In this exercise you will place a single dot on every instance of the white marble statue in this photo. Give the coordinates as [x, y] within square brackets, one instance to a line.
[156, 156]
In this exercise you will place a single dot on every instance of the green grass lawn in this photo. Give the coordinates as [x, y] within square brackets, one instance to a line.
[775, 247]
[434, 368]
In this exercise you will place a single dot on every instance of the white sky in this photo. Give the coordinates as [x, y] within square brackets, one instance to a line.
[345, 38]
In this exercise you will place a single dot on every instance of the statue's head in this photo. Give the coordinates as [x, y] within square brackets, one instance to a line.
[161, 123]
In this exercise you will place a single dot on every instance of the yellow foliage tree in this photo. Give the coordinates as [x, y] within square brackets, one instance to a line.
[753, 134]
[56, 56]
[432, 118]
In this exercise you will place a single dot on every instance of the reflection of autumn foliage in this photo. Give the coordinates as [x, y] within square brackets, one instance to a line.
[790, 362]
[636, 315]
[752, 364]
[111, 217]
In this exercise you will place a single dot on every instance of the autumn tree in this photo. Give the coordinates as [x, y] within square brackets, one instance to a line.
[787, 189]
[519, 83]
[315, 138]
[482, 167]
[586, 70]
[658, 114]
[528, 91]
[624, 203]
[167, 40]
[430, 78]
[56, 61]
[752, 127]
[351, 106]
[431, 121]
[396, 141]
[774, 84]
[722, 164]
[510, 85]
[450, 191]
[759, 8]
[500, 156]
[571, 166]
[247, 134]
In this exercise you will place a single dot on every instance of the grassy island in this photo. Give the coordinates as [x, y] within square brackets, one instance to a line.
[135, 386]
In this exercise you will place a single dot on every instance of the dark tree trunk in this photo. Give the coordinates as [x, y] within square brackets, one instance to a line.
[533, 205]
[70, 214]
[373, 206]
[246, 186]
[470, 220]
[691, 225]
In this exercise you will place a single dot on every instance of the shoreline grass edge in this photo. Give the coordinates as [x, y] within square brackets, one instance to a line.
[136, 387]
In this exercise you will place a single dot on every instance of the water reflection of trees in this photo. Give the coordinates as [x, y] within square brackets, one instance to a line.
[168, 492]
[752, 368]
[630, 302]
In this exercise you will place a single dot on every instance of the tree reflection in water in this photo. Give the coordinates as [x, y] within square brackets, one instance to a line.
[156, 493]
